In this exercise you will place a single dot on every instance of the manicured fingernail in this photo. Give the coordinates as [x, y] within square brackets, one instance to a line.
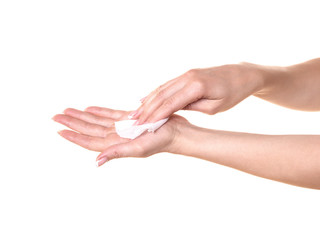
[142, 99]
[98, 163]
[101, 157]
[101, 161]
[132, 114]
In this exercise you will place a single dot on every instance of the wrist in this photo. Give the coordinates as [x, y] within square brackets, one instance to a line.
[190, 140]
[185, 134]
[270, 77]
[255, 75]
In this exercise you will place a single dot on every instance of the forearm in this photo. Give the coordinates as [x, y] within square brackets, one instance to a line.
[290, 159]
[296, 86]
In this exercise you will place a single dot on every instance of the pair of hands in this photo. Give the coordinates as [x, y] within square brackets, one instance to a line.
[209, 90]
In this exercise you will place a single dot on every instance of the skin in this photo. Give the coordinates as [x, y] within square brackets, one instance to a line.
[292, 159]
[289, 159]
[217, 89]
[94, 130]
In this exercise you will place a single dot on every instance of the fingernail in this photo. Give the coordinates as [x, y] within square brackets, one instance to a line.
[101, 161]
[136, 123]
[132, 114]
[101, 157]
[142, 99]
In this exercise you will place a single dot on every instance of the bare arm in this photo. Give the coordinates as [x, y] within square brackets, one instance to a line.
[217, 89]
[292, 159]
[296, 86]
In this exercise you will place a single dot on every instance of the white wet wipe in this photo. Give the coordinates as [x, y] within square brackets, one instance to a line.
[126, 129]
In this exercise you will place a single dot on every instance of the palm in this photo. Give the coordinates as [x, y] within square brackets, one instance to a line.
[94, 130]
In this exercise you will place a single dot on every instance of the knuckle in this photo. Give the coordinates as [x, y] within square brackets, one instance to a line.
[89, 144]
[160, 94]
[87, 126]
[169, 102]
[90, 108]
[192, 73]
[67, 110]
[197, 85]
[105, 132]
[116, 153]
[95, 118]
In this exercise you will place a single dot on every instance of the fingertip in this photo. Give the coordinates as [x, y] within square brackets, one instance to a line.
[139, 121]
[61, 132]
[67, 134]
[58, 118]
[132, 115]
[97, 163]
[102, 161]
[90, 109]
[101, 156]
[136, 123]
[68, 110]
[139, 117]
[143, 99]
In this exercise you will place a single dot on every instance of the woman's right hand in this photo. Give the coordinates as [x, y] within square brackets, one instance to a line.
[208, 90]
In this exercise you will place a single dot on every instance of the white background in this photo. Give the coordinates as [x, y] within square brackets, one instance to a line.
[59, 54]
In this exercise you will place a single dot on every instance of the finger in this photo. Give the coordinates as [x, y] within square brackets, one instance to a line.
[107, 112]
[89, 117]
[173, 104]
[159, 99]
[82, 126]
[146, 100]
[142, 99]
[161, 87]
[118, 151]
[88, 142]
[206, 106]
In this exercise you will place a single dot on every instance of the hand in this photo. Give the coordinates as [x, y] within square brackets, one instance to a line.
[95, 131]
[208, 90]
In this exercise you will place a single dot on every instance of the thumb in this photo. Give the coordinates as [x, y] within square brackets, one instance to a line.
[117, 151]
